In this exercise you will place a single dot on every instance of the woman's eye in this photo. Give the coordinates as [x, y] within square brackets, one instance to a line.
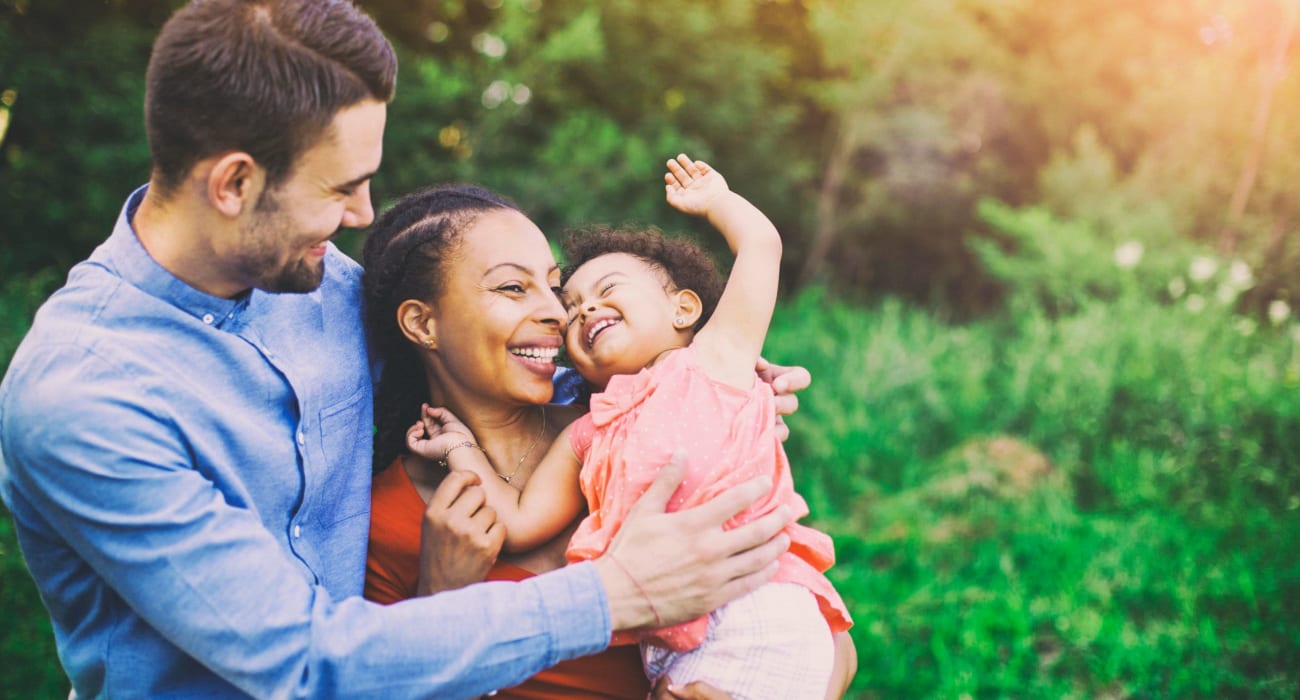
[513, 288]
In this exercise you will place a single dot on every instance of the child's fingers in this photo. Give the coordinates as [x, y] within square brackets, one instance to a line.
[689, 165]
[679, 173]
[414, 434]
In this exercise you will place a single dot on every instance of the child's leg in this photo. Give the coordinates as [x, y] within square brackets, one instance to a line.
[773, 643]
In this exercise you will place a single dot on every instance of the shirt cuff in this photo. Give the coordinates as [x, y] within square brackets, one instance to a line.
[576, 610]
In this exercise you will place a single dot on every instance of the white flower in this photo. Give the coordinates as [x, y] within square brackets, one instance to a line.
[521, 95]
[1240, 276]
[1278, 311]
[1245, 326]
[1177, 287]
[1226, 293]
[1202, 268]
[1196, 303]
[1128, 255]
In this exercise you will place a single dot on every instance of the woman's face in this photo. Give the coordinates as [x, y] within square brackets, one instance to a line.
[498, 322]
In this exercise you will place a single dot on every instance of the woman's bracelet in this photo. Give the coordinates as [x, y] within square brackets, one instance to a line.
[619, 564]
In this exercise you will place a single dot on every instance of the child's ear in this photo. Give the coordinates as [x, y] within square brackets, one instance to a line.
[415, 318]
[689, 309]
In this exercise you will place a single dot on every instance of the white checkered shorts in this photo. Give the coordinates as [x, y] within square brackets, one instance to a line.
[773, 643]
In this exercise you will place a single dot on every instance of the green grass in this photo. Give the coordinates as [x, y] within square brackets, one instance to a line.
[1098, 504]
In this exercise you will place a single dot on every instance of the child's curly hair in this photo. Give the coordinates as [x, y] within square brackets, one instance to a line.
[685, 264]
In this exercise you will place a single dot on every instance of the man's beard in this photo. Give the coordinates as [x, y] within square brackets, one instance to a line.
[267, 229]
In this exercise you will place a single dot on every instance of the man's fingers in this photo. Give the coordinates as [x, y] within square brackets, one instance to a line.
[790, 379]
[727, 504]
[655, 498]
[758, 533]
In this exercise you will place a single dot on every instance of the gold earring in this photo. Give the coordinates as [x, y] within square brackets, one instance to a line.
[428, 343]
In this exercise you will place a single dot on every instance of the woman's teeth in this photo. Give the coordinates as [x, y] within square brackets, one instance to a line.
[543, 354]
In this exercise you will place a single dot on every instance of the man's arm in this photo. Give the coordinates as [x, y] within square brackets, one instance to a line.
[111, 478]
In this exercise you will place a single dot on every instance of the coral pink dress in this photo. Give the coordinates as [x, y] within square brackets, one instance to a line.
[728, 436]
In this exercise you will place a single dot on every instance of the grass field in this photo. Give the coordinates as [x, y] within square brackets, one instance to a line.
[1103, 503]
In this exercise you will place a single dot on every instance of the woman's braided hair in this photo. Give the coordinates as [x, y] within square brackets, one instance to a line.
[681, 261]
[404, 258]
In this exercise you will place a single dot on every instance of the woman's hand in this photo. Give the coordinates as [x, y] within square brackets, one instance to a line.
[785, 382]
[437, 431]
[699, 690]
[459, 536]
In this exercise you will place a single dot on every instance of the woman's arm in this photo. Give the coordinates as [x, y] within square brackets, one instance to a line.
[731, 341]
[546, 505]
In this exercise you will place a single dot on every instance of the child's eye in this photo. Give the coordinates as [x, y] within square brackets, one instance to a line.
[604, 291]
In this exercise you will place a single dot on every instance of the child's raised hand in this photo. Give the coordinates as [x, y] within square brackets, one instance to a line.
[693, 187]
[437, 431]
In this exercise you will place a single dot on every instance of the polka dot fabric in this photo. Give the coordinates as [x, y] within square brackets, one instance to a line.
[728, 436]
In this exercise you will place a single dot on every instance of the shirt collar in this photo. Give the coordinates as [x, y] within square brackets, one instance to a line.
[124, 253]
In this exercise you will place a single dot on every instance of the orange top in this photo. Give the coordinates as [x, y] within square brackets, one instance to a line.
[728, 435]
[392, 572]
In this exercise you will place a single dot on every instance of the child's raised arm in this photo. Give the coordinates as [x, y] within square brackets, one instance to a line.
[729, 345]
[547, 504]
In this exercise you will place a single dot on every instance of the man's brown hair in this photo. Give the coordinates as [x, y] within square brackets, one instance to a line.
[265, 77]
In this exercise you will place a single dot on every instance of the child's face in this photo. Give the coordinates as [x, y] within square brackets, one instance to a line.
[621, 315]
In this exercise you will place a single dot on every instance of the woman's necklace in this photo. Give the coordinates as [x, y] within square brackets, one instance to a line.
[528, 451]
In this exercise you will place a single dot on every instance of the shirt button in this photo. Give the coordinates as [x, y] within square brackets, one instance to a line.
[302, 440]
[297, 531]
[208, 319]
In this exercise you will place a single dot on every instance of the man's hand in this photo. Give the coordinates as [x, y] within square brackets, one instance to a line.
[664, 568]
[459, 537]
[785, 382]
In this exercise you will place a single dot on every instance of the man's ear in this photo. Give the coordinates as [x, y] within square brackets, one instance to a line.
[415, 318]
[234, 182]
[689, 309]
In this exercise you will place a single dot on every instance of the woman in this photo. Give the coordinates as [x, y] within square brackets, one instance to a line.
[462, 312]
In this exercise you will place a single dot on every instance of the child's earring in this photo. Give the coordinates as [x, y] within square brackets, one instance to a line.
[679, 322]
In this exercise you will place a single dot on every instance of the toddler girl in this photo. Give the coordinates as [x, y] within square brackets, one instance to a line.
[674, 357]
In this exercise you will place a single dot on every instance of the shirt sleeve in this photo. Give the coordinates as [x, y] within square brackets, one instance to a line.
[109, 474]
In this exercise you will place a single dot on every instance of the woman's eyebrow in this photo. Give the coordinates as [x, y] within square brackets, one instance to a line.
[515, 266]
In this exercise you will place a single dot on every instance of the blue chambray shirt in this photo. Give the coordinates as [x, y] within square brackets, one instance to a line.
[189, 479]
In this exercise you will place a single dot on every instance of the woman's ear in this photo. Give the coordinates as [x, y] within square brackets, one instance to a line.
[415, 318]
[234, 182]
[689, 309]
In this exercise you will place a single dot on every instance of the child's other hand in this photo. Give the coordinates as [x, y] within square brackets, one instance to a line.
[437, 430]
[693, 187]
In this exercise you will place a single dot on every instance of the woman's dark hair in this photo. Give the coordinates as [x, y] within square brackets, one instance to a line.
[683, 262]
[261, 76]
[404, 258]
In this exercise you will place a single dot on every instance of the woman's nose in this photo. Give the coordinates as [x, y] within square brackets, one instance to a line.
[552, 310]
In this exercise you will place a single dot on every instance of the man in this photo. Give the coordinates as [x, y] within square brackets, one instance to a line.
[185, 431]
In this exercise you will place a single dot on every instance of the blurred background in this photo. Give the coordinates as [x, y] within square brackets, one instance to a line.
[1041, 259]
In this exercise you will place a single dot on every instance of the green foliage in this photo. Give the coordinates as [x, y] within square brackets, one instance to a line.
[26, 640]
[1092, 504]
